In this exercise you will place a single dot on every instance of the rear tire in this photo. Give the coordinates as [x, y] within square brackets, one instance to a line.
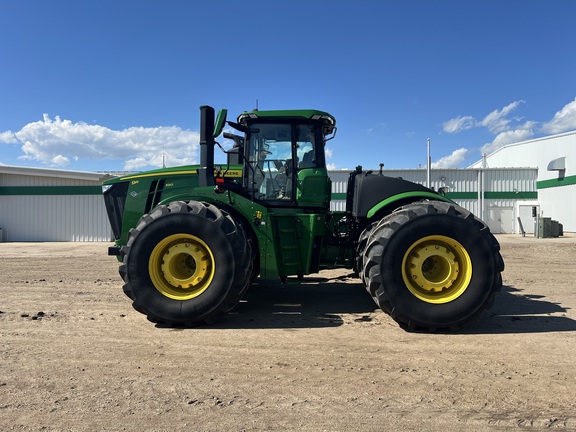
[362, 242]
[186, 263]
[432, 265]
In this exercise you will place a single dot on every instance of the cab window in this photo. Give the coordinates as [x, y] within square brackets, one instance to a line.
[271, 159]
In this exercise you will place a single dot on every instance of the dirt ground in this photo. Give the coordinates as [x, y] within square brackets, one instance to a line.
[316, 356]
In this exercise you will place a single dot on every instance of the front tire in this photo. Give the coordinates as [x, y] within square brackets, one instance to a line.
[432, 265]
[186, 263]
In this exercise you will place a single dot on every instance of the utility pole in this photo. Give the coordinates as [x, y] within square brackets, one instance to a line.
[428, 167]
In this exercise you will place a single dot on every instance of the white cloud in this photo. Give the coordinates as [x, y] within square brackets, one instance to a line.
[8, 137]
[378, 126]
[459, 124]
[563, 120]
[59, 161]
[57, 142]
[497, 121]
[453, 160]
[508, 137]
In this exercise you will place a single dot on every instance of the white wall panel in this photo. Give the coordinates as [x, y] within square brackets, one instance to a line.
[54, 218]
[83, 217]
[560, 204]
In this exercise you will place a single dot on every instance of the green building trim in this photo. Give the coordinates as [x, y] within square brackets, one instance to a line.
[50, 190]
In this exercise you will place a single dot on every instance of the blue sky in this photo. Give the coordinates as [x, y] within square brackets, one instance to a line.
[113, 85]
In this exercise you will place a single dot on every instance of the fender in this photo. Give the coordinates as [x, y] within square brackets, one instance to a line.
[410, 196]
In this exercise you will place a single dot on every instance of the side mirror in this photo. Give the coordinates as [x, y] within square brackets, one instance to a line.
[236, 153]
[220, 121]
[238, 140]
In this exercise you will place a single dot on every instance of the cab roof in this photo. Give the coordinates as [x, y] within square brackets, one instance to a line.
[274, 114]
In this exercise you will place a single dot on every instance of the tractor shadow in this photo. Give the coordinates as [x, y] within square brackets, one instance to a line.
[321, 302]
[318, 302]
[312, 303]
[516, 312]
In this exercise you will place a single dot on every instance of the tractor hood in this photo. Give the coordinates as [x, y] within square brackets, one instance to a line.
[143, 191]
[370, 194]
[161, 172]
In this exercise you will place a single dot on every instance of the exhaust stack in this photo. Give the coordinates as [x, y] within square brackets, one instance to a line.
[206, 170]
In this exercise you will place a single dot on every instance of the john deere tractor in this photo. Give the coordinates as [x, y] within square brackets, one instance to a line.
[192, 239]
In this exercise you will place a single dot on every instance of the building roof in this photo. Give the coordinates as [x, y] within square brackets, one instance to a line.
[49, 172]
[478, 164]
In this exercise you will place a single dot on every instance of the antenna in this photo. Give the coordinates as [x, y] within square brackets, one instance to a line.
[256, 105]
[163, 158]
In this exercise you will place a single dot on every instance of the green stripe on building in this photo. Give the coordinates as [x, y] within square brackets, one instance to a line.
[493, 195]
[470, 195]
[511, 195]
[97, 190]
[50, 190]
[566, 181]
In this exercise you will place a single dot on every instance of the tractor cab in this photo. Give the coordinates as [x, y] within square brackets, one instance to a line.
[282, 153]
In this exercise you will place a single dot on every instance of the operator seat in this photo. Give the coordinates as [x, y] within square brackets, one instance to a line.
[307, 160]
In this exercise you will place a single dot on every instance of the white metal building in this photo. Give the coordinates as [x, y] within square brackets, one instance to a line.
[555, 158]
[499, 196]
[51, 205]
[39, 204]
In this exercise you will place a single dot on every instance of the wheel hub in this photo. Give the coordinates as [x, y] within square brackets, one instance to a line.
[181, 266]
[432, 267]
[185, 265]
[436, 269]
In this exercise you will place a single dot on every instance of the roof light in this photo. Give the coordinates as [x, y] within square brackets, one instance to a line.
[322, 117]
[243, 117]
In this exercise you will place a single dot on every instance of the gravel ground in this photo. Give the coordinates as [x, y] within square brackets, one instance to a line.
[316, 356]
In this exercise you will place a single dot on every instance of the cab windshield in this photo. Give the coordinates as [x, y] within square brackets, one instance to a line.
[276, 151]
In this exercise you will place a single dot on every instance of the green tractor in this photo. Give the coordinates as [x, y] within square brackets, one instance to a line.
[192, 239]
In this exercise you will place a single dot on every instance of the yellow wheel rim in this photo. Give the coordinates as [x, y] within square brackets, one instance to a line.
[181, 266]
[437, 269]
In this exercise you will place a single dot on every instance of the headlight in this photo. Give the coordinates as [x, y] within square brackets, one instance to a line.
[106, 188]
